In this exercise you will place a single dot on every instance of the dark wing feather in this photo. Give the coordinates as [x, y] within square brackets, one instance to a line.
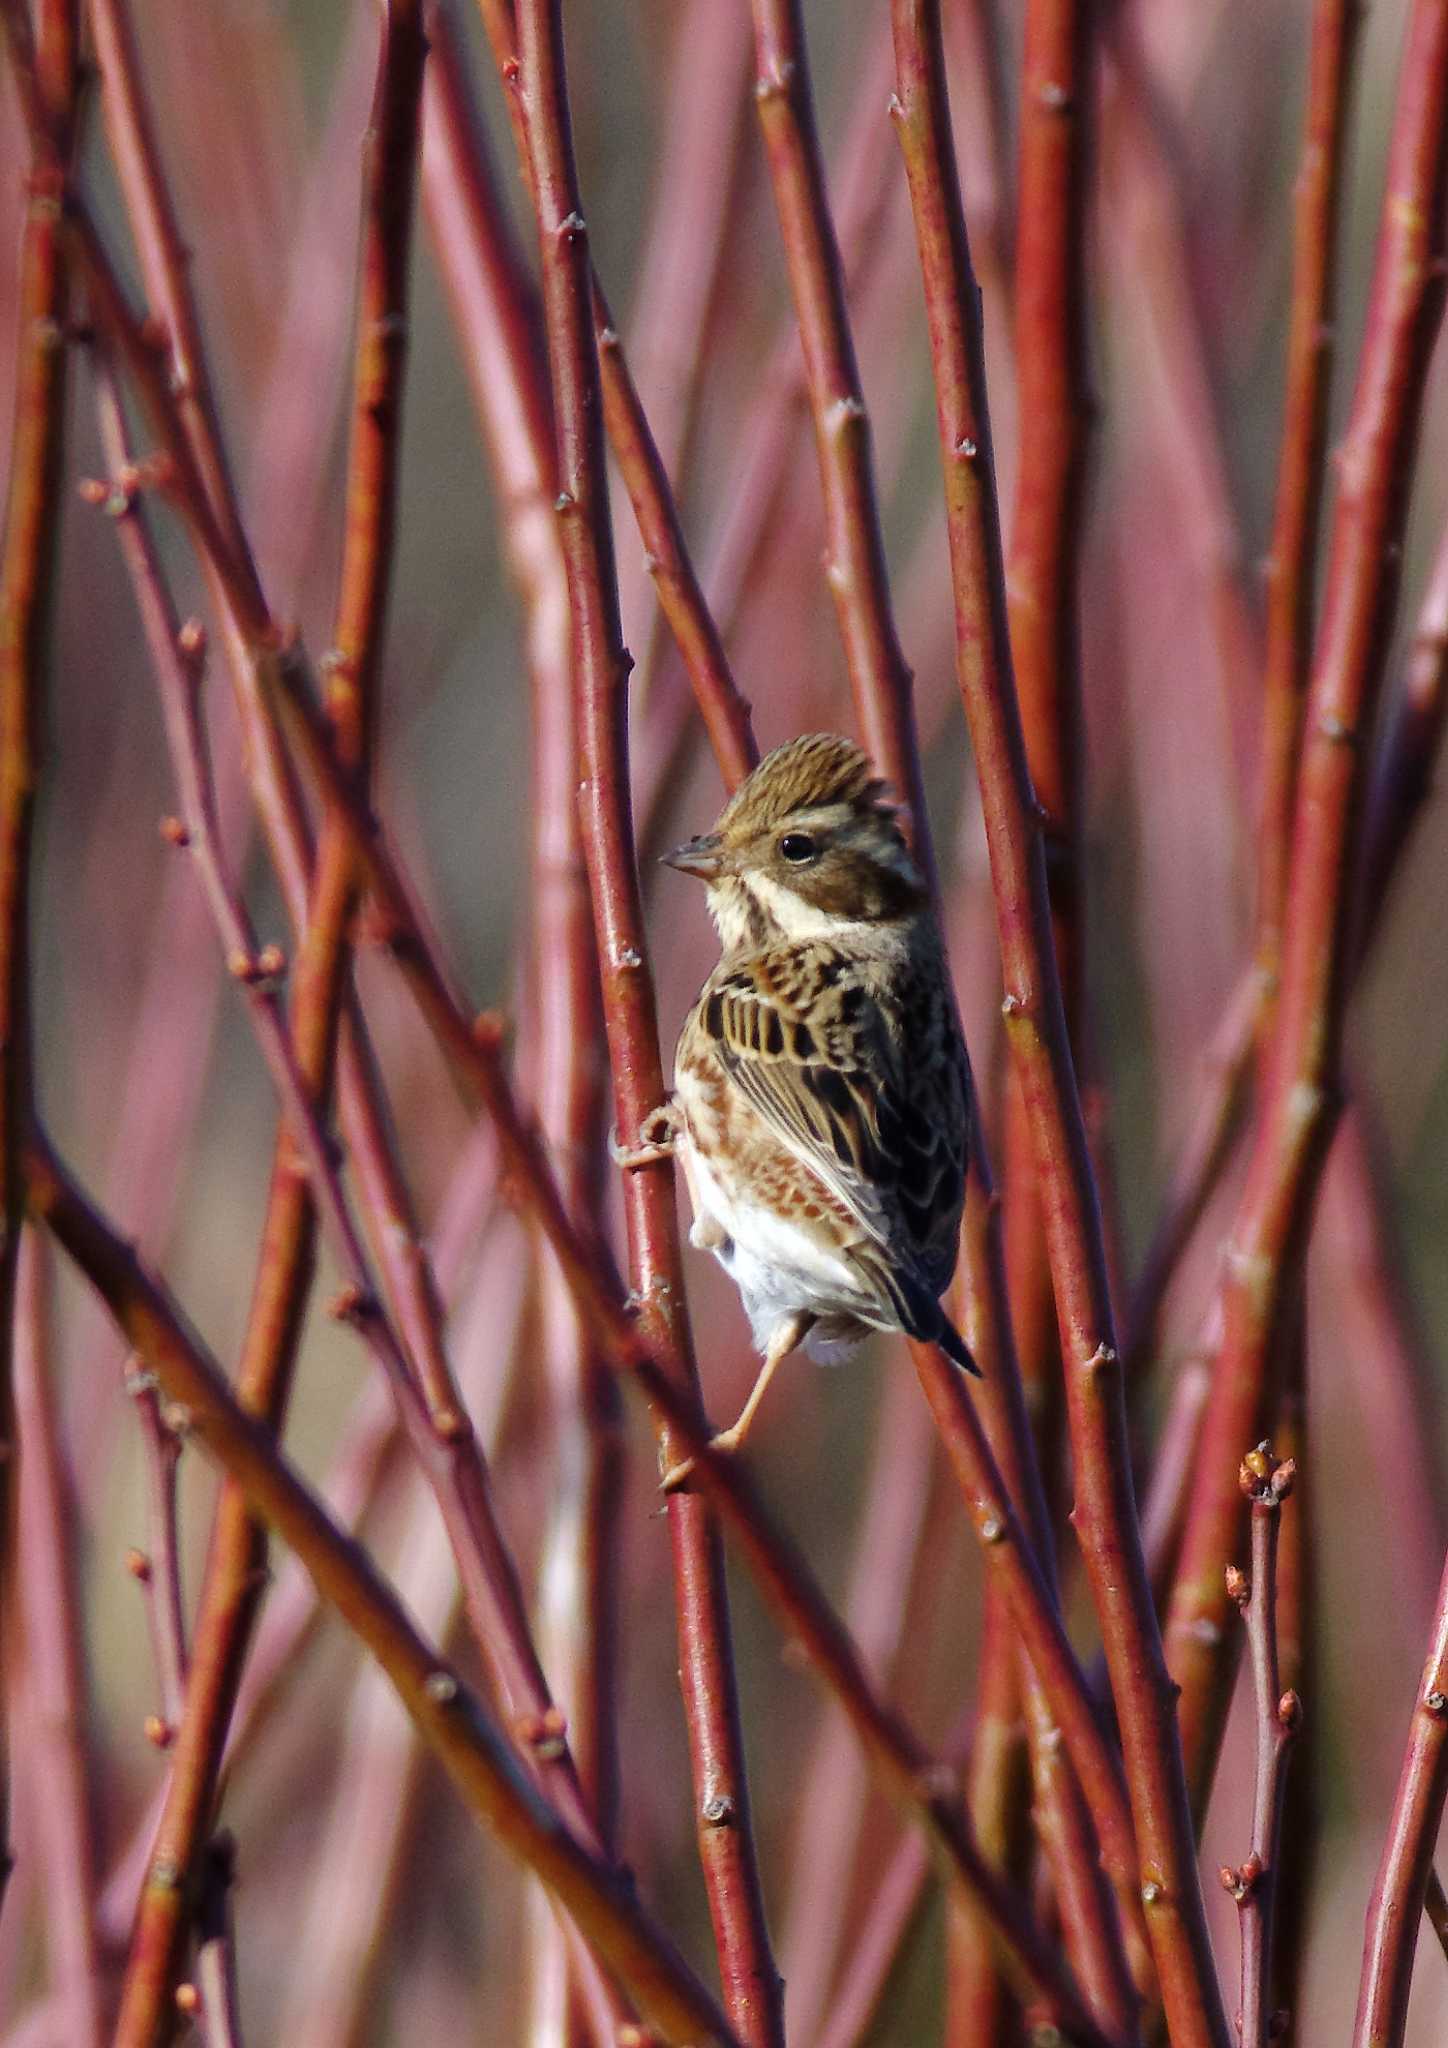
[880, 1122]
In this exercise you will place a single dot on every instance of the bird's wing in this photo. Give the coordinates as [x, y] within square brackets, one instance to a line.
[826, 1073]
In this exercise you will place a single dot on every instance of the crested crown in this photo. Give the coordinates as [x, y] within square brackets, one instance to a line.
[818, 768]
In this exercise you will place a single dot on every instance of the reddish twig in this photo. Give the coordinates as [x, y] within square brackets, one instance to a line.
[1396, 1908]
[1255, 1883]
[493, 304]
[1291, 561]
[1297, 1115]
[854, 548]
[158, 1567]
[697, 190]
[1054, 404]
[998, 1795]
[46, 72]
[164, 258]
[723, 710]
[58, 1707]
[831, 1797]
[752, 1989]
[1105, 1510]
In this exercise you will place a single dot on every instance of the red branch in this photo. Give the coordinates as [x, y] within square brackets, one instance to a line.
[1395, 1910]
[1255, 1884]
[752, 1988]
[1105, 1515]
[47, 78]
[1300, 1106]
[1291, 562]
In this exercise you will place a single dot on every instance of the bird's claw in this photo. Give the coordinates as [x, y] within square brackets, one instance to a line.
[658, 1133]
[723, 1445]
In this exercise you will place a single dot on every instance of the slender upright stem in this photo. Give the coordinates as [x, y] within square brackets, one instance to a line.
[495, 307]
[28, 551]
[855, 567]
[753, 1991]
[55, 1690]
[1395, 1911]
[1105, 1514]
[1256, 1883]
[1291, 562]
[1302, 1096]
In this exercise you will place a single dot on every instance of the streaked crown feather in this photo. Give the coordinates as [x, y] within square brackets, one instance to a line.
[818, 768]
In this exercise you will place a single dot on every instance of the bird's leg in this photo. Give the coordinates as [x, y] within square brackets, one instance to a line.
[657, 1134]
[787, 1337]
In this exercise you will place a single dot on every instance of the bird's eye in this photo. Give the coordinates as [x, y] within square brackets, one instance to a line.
[798, 847]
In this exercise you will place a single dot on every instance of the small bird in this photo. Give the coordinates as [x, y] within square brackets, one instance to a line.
[822, 1106]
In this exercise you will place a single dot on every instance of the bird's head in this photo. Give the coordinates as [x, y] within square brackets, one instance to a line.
[805, 844]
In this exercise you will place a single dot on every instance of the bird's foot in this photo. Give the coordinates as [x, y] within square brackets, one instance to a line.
[658, 1134]
[725, 1444]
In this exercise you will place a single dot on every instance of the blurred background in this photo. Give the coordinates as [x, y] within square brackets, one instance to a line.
[153, 1086]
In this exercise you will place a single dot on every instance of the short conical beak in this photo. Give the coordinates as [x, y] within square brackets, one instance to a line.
[703, 857]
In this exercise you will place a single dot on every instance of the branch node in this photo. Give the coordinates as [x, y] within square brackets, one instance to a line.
[775, 84]
[173, 831]
[572, 228]
[719, 1811]
[441, 1688]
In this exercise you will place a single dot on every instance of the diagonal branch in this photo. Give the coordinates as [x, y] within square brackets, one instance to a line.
[475, 1754]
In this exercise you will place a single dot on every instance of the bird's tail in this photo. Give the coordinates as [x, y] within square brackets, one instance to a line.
[954, 1345]
[922, 1316]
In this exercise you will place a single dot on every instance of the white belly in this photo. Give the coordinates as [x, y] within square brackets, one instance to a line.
[778, 1268]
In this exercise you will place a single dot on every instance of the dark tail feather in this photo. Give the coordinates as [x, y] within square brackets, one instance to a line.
[922, 1316]
[916, 1311]
[954, 1346]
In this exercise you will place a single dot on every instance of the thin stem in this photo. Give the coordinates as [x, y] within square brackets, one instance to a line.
[1105, 1514]
[494, 306]
[1292, 558]
[855, 567]
[48, 1596]
[1055, 406]
[158, 1567]
[1400, 1890]
[28, 552]
[1300, 1106]
[753, 1992]
[1255, 1884]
